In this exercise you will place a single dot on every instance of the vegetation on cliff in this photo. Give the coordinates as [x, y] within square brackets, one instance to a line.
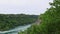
[9, 21]
[50, 21]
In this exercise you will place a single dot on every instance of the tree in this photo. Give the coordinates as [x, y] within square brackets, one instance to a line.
[50, 21]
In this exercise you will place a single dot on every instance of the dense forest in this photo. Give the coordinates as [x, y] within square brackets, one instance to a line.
[9, 21]
[50, 21]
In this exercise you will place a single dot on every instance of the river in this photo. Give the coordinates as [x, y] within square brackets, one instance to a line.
[16, 30]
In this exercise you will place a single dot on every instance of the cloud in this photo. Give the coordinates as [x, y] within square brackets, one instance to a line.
[24, 6]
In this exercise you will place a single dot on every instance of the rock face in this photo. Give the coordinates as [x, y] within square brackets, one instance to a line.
[38, 21]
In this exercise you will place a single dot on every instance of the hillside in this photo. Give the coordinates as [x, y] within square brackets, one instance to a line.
[9, 21]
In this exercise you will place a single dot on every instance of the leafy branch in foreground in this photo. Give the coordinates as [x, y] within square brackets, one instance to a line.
[50, 21]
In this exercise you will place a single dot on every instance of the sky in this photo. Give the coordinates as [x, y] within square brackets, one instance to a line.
[35, 7]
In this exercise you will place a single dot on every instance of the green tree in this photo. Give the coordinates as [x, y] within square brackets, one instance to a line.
[50, 21]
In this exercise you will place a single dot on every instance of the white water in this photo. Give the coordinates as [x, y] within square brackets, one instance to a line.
[16, 30]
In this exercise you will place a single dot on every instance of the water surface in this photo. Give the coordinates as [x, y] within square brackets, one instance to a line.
[16, 30]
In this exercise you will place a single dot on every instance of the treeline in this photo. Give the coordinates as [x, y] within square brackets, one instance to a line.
[9, 21]
[50, 21]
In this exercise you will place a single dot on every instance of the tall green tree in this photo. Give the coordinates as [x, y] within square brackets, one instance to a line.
[50, 21]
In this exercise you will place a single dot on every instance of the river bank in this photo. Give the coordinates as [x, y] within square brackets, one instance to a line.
[16, 30]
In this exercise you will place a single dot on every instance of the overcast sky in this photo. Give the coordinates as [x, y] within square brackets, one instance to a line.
[24, 6]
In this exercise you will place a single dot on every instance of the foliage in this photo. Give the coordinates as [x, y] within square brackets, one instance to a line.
[9, 21]
[50, 21]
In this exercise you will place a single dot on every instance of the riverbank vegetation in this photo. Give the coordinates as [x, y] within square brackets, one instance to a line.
[9, 21]
[50, 21]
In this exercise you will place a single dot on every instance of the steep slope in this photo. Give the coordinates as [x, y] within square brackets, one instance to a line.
[9, 21]
[50, 21]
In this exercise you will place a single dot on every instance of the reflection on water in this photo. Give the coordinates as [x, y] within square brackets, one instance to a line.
[16, 30]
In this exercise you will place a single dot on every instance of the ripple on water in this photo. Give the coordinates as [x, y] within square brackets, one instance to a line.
[16, 30]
